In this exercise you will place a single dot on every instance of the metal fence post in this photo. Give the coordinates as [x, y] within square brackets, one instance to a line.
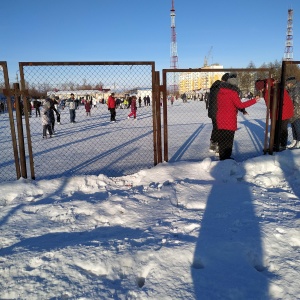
[20, 130]
[11, 120]
[28, 133]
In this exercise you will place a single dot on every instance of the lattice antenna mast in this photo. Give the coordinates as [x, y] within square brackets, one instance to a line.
[288, 52]
[174, 56]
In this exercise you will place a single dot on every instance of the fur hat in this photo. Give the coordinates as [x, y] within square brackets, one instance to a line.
[232, 79]
[225, 77]
[291, 80]
[232, 75]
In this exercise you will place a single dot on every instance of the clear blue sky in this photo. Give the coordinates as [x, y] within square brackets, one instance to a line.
[240, 31]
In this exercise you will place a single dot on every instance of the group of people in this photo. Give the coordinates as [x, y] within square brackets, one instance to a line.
[224, 102]
[48, 110]
[111, 105]
[290, 110]
[223, 105]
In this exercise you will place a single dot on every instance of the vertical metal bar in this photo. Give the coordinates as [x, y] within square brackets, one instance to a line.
[165, 120]
[12, 124]
[266, 146]
[280, 106]
[154, 116]
[28, 133]
[20, 130]
[274, 101]
[158, 117]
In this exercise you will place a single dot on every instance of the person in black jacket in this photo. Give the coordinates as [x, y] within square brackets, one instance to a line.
[212, 112]
[52, 109]
[37, 105]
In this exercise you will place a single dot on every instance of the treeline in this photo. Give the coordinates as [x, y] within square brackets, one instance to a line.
[40, 90]
[247, 79]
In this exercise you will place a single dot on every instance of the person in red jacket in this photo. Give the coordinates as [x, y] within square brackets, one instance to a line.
[133, 107]
[228, 104]
[111, 104]
[287, 109]
[88, 106]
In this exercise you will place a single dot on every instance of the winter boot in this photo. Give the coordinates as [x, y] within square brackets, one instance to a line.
[212, 147]
[292, 144]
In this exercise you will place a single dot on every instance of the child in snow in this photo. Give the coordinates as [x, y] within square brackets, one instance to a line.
[87, 106]
[46, 122]
[133, 107]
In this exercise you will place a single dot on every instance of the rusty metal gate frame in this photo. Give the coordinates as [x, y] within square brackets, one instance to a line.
[157, 146]
[199, 70]
[8, 93]
[282, 85]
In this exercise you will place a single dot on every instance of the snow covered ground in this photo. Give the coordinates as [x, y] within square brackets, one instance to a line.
[180, 230]
[93, 145]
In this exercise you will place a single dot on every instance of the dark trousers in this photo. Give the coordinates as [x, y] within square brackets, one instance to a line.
[52, 125]
[112, 114]
[283, 135]
[225, 142]
[47, 128]
[72, 115]
[215, 132]
[37, 112]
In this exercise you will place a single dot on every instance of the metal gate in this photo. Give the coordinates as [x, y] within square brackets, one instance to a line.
[186, 126]
[9, 148]
[92, 145]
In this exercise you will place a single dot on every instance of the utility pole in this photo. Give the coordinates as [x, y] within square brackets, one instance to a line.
[174, 56]
[288, 51]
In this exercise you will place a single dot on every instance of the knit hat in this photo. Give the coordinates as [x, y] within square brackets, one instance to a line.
[260, 84]
[225, 77]
[291, 80]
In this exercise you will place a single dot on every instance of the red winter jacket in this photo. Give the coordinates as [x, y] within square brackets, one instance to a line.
[133, 104]
[288, 106]
[228, 103]
[111, 102]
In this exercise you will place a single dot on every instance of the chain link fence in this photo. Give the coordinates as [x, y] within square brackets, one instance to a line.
[187, 127]
[291, 71]
[92, 145]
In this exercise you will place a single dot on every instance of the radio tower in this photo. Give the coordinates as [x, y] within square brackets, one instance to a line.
[288, 52]
[174, 57]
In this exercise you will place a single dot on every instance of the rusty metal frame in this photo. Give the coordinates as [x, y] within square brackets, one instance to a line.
[8, 94]
[280, 100]
[156, 114]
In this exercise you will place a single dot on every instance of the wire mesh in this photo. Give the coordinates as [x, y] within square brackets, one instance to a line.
[190, 128]
[291, 73]
[91, 145]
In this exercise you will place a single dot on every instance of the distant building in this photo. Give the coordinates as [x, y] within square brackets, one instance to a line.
[189, 82]
[103, 94]
[142, 92]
